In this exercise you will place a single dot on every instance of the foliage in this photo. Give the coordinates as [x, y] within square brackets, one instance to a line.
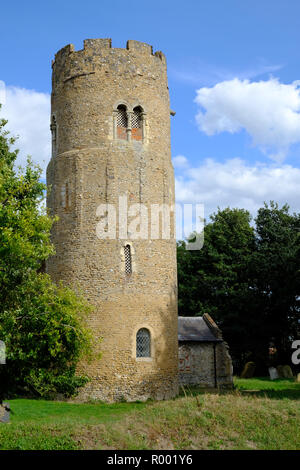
[279, 388]
[43, 325]
[45, 336]
[215, 278]
[247, 278]
[276, 279]
[25, 227]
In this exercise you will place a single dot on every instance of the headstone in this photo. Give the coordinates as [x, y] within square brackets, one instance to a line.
[2, 352]
[273, 373]
[248, 370]
[298, 378]
[4, 413]
[287, 372]
[280, 371]
[4, 407]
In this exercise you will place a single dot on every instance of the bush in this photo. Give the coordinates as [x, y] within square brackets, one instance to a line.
[43, 325]
[45, 335]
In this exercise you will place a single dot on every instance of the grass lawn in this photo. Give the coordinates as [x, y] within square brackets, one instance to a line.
[263, 386]
[258, 414]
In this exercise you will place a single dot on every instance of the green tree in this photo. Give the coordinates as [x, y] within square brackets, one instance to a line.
[247, 279]
[43, 325]
[215, 279]
[276, 272]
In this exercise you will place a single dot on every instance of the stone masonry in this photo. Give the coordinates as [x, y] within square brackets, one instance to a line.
[204, 358]
[94, 161]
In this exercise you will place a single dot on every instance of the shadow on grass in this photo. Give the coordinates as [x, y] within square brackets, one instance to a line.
[278, 389]
[258, 387]
[290, 394]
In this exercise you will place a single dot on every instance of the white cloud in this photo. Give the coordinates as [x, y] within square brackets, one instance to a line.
[180, 161]
[201, 72]
[27, 112]
[237, 184]
[267, 110]
[2, 92]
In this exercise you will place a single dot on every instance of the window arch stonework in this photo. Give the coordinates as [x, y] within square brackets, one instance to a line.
[128, 260]
[143, 343]
[122, 122]
[137, 123]
[129, 123]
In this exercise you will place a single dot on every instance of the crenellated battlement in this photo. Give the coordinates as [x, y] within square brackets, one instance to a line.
[101, 46]
[98, 55]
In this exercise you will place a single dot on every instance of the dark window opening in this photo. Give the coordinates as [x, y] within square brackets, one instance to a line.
[137, 124]
[122, 122]
[143, 348]
[53, 129]
[128, 263]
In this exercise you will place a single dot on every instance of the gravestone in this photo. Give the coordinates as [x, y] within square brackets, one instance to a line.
[4, 413]
[298, 378]
[4, 407]
[248, 370]
[2, 353]
[287, 372]
[280, 371]
[273, 373]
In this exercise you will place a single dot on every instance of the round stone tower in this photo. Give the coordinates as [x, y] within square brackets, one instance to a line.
[112, 185]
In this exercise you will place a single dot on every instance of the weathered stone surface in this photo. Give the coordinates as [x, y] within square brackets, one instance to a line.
[287, 372]
[4, 413]
[90, 166]
[280, 371]
[273, 373]
[248, 370]
[197, 365]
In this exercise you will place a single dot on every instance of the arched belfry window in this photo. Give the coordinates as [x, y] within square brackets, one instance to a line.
[128, 260]
[129, 123]
[122, 122]
[143, 343]
[137, 123]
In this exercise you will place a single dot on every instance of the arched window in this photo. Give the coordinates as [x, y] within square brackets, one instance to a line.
[122, 122]
[143, 343]
[129, 124]
[137, 124]
[128, 262]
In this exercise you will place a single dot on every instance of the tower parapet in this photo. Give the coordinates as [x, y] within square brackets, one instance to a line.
[99, 54]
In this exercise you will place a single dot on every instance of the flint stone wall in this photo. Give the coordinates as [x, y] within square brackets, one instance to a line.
[197, 365]
[91, 166]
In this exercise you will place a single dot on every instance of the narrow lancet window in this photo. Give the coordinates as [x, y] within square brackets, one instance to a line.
[137, 124]
[122, 122]
[143, 343]
[53, 129]
[128, 261]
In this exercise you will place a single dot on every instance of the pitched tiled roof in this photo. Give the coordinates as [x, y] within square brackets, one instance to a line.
[195, 329]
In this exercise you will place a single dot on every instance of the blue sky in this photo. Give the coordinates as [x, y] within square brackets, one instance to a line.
[232, 68]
